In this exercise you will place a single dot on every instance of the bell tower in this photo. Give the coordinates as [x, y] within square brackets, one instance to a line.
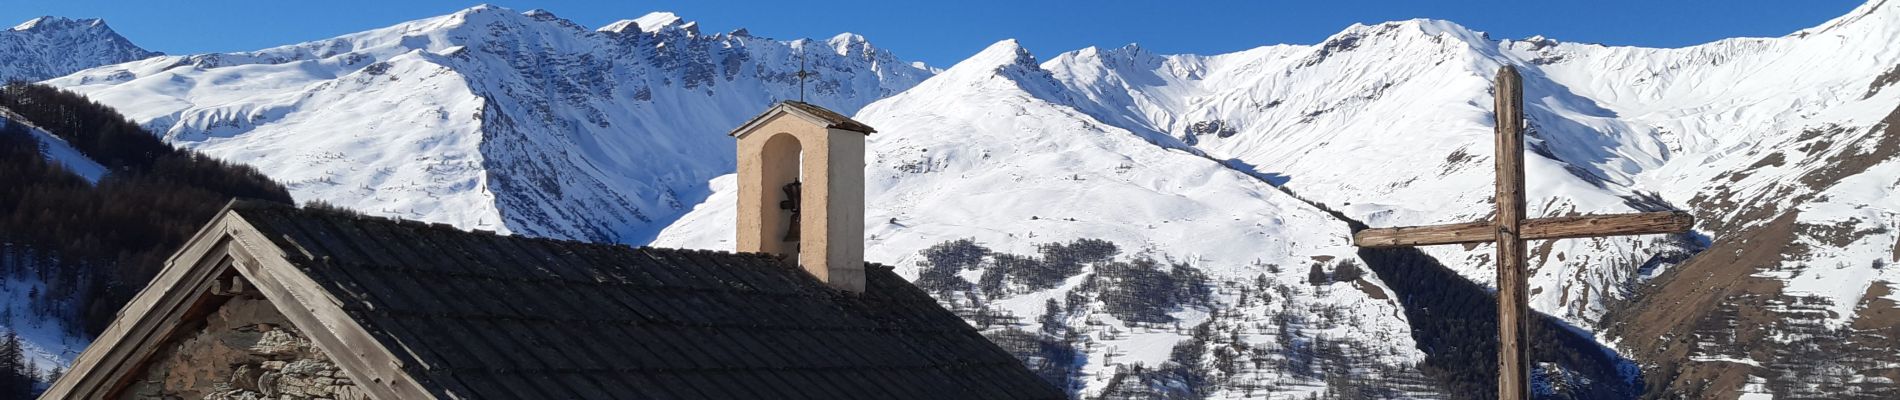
[801, 190]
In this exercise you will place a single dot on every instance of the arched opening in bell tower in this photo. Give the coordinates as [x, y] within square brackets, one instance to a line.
[781, 180]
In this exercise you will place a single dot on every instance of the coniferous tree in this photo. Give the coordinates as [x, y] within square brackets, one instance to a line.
[16, 380]
[1347, 271]
[1051, 319]
[991, 282]
[1317, 276]
[943, 262]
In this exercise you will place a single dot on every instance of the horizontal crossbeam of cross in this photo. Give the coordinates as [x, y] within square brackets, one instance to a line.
[1534, 229]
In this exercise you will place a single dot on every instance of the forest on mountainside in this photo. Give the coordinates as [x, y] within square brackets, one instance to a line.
[1452, 319]
[17, 374]
[93, 246]
[1264, 338]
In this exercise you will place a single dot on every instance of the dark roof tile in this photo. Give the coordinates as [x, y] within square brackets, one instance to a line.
[478, 315]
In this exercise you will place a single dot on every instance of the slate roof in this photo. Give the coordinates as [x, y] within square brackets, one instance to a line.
[832, 119]
[479, 315]
[835, 119]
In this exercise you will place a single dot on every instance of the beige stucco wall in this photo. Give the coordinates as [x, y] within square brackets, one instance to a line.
[832, 246]
[244, 350]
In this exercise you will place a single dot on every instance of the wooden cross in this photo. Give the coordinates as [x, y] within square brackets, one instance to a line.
[1509, 229]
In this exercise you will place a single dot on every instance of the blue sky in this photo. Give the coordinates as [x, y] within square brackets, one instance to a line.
[944, 32]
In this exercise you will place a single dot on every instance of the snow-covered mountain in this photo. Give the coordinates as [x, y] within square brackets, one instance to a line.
[527, 123]
[47, 47]
[990, 151]
[1390, 124]
[494, 119]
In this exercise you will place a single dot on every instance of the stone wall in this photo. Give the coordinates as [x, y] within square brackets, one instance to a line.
[245, 350]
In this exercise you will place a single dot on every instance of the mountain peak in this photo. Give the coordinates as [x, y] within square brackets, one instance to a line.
[489, 13]
[33, 23]
[1003, 61]
[540, 14]
[845, 43]
[846, 38]
[660, 20]
[480, 9]
[656, 21]
[51, 22]
[1003, 53]
[74, 44]
[1130, 52]
[1421, 26]
[484, 13]
[1881, 14]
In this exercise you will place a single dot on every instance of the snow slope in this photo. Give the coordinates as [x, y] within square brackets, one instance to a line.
[49, 344]
[493, 119]
[1391, 124]
[986, 150]
[47, 47]
[57, 150]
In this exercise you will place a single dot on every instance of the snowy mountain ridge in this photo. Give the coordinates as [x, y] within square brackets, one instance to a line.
[1605, 148]
[492, 119]
[1022, 171]
[47, 47]
[1390, 124]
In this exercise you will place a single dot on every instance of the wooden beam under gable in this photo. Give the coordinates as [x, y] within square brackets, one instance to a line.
[146, 323]
[320, 316]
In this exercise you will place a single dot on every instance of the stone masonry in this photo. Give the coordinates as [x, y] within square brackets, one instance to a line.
[246, 350]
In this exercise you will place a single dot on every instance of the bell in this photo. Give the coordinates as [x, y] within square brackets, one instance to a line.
[791, 204]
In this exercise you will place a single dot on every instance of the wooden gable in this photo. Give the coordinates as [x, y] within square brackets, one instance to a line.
[196, 282]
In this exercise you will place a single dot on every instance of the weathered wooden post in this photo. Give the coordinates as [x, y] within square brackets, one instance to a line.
[1513, 306]
[1510, 229]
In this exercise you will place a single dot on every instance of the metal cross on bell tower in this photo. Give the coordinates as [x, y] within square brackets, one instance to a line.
[802, 73]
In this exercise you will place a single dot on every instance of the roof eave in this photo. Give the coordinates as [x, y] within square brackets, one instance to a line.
[786, 108]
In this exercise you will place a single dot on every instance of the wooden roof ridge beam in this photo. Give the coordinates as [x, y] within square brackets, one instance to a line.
[1534, 229]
